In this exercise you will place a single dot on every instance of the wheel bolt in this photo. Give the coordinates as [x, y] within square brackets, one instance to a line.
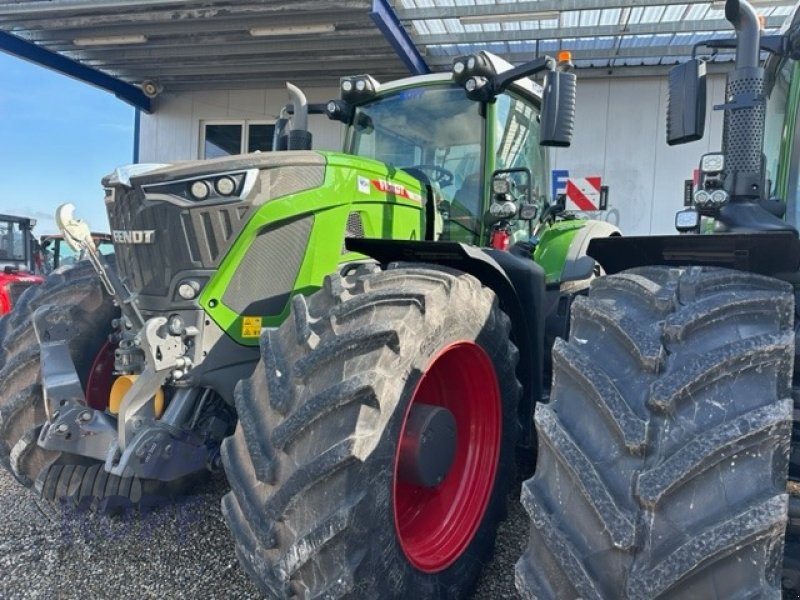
[85, 416]
[62, 428]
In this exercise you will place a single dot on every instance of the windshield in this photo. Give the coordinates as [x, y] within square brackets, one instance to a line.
[12, 241]
[436, 130]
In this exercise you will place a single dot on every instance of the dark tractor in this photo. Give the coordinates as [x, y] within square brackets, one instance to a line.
[55, 252]
[669, 454]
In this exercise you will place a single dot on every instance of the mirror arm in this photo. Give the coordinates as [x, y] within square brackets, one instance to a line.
[499, 83]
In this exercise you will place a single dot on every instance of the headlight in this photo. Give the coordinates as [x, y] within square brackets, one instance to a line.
[225, 186]
[199, 190]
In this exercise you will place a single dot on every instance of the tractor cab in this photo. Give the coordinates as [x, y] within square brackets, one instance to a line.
[456, 135]
[54, 252]
[16, 259]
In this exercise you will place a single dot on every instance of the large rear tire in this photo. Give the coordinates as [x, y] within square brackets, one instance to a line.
[320, 506]
[663, 452]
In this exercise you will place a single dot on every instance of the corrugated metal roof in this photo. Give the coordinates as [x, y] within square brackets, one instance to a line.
[201, 44]
[601, 33]
[197, 44]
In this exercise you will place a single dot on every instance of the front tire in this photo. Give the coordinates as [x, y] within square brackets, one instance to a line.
[663, 453]
[320, 505]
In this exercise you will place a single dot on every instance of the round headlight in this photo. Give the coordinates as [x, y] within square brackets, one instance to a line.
[347, 85]
[199, 190]
[225, 186]
[471, 62]
[471, 84]
[701, 198]
[458, 68]
[719, 197]
[188, 289]
[361, 85]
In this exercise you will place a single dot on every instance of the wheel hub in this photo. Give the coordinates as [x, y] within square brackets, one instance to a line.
[428, 446]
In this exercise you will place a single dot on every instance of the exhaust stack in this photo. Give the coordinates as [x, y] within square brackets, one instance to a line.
[745, 108]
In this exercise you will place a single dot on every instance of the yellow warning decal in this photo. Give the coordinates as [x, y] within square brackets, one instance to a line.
[251, 327]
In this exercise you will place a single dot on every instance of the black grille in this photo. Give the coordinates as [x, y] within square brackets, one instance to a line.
[264, 279]
[15, 290]
[197, 236]
[184, 238]
[355, 229]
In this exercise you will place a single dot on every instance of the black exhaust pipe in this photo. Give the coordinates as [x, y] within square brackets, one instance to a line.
[745, 104]
[748, 32]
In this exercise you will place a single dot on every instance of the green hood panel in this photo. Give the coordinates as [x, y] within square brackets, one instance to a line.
[291, 242]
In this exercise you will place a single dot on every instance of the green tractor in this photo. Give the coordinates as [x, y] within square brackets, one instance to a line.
[120, 374]
[669, 450]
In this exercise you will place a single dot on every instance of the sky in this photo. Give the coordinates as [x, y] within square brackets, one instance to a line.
[58, 138]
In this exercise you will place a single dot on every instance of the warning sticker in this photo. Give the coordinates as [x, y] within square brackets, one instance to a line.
[251, 327]
[363, 185]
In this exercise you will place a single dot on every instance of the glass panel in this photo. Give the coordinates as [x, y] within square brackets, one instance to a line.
[439, 131]
[517, 143]
[12, 241]
[222, 140]
[775, 124]
[259, 137]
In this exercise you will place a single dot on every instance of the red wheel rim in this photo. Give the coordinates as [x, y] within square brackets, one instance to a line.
[435, 525]
[101, 377]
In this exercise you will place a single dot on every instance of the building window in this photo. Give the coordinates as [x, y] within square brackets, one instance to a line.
[234, 137]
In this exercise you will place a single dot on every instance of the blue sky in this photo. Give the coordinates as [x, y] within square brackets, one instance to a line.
[58, 138]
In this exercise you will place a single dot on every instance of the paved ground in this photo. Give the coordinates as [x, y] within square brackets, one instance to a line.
[181, 552]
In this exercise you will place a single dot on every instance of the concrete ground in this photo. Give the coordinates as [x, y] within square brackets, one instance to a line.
[179, 552]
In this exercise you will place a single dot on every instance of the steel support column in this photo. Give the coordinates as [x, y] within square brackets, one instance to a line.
[385, 18]
[46, 58]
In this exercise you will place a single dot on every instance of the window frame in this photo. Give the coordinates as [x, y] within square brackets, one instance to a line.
[244, 142]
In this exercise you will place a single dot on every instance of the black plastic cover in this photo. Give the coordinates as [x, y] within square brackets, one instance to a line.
[558, 109]
[767, 253]
[686, 102]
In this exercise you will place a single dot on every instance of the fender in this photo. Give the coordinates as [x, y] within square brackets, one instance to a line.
[562, 244]
[767, 253]
[519, 285]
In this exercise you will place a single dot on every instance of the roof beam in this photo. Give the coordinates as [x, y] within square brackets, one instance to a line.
[595, 55]
[505, 9]
[41, 56]
[386, 20]
[553, 33]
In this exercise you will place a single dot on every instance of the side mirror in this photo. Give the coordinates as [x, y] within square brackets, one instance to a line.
[558, 109]
[686, 102]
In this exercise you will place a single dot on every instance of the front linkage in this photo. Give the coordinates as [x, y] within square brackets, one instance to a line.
[142, 440]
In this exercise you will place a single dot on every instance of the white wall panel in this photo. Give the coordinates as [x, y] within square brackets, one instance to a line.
[620, 134]
[173, 132]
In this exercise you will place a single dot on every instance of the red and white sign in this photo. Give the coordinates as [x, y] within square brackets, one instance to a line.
[399, 190]
[583, 193]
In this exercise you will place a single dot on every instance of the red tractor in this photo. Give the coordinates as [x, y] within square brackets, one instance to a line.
[16, 259]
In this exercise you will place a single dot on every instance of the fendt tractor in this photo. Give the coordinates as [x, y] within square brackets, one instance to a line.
[376, 438]
[119, 375]
[669, 450]
[16, 260]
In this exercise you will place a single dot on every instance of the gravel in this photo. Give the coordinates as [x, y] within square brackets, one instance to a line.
[183, 551]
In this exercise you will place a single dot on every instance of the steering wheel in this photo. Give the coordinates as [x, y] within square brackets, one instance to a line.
[439, 175]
